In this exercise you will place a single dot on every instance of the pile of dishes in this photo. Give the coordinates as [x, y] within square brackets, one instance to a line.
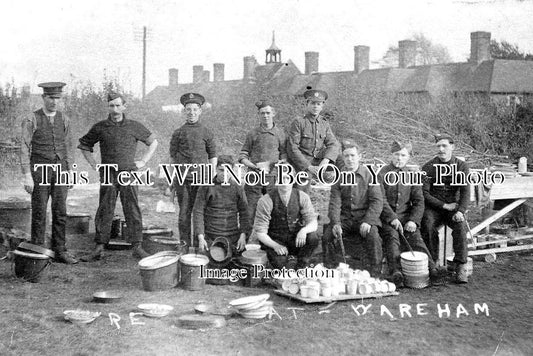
[154, 310]
[78, 316]
[253, 307]
[415, 269]
[331, 283]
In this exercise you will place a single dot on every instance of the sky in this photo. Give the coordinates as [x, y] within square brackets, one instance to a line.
[87, 41]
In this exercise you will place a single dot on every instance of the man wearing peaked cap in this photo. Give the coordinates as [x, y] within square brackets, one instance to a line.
[192, 98]
[263, 147]
[446, 203]
[117, 136]
[192, 143]
[46, 139]
[311, 143]
[403, 207]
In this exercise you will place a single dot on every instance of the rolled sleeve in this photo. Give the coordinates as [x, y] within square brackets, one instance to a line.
[263, 214]
[69, 142]
[199, 211]
[244, 218]
[25, 146]
[334, 209]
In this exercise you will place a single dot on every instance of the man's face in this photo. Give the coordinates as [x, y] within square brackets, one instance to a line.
[116, 108]
[351, 158]
[400, 158]
[445, 150]
[315, 107]
[192, 112]
[266, 116]
[51, 103]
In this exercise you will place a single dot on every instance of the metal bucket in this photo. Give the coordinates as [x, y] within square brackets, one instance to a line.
[15, 214]
[77, 223]
[154, 244]
[30, 266]
[190, 271]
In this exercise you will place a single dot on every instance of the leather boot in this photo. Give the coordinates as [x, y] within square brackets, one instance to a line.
[95, 255]
[138, 252]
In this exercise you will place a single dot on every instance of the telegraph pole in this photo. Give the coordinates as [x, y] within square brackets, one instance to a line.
[144, 62]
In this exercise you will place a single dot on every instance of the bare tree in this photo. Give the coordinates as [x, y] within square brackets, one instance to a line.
[506, 50]
[427, 52]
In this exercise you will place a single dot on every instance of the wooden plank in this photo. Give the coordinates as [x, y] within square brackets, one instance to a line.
[496, 216]
[332, 299]
[513, 188]
[500, 249]
[492, 242]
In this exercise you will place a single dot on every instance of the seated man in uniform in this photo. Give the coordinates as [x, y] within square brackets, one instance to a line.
[354, 211]
[221, 211]
[285, 224]
[446, 204]
[403, 207]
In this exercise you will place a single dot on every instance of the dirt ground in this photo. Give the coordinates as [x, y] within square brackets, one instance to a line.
[491, 315]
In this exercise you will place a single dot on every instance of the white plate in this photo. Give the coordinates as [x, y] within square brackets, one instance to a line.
[78, 316]
[237, 303]
[154, 308]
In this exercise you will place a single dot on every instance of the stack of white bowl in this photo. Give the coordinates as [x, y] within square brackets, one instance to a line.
[415, 269]
[78, 316]
[253, 307]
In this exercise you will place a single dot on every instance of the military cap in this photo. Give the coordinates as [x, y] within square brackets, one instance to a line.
[225, 159]
[192, 98]
[443, 136]
[397, 146]
[346, 144]
[52, 89]
[263, 103]
[114, 95]
[315, 95]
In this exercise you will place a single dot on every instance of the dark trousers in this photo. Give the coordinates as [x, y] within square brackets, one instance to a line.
[255, 192]
[373, 252]
[394, 245]
[39, 203]
[186, 195]
[433, 219]
[303, 254]
[106, 211]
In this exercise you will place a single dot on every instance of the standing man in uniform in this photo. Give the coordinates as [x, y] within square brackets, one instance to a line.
[354, 211]
[46, 139]
[311, 143]
[403, 207]
[118, 137]
[446, 203]
[192, 143]
[263, 148]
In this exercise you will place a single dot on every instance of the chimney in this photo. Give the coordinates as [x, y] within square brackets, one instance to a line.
[311, 62]
[205, 76]
[249, 68]
[197, 74]
[407, 53]
[479, 47]
[218, 72]
[361, 58]
[172, 77]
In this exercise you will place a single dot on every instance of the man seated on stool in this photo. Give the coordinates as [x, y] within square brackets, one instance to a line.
[354, 211]
[403, 207]
[221, 211]
[285, 224]
[446, 204]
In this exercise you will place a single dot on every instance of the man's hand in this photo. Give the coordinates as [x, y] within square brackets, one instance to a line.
[410, 226]
[313, 170]
[397, 225]
[281, 250]
[28, 183]
[202, 244]
[140, 164]
[458, 217]
[337, 231]
[364, 229]
[450, 206]
[300, 238]
[242, 242]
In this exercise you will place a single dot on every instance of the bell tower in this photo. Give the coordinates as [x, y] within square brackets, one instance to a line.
[273, 53]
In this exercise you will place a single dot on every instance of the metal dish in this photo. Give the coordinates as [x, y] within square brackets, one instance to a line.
[27, 247]
[118, 245]
[107, 297]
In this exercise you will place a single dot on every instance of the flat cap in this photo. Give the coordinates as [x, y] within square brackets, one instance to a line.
[397, 146]
[114, 95]
[52, 89]
[263, 103]
[315, 95]
[443, 136]
[192, 98]
[347, 143]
